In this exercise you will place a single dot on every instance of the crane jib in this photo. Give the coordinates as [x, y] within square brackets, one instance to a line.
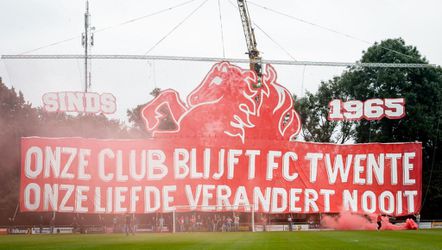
[253, 52]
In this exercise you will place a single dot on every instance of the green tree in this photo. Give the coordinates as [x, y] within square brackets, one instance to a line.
[313, 111]
[422, 90]
[16, 117]
[137, 123]
[19, 119]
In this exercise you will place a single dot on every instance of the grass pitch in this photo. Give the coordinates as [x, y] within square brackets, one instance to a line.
[422, 239]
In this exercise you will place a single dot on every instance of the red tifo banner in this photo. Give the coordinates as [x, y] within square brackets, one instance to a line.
[229, 146]
[161, 175]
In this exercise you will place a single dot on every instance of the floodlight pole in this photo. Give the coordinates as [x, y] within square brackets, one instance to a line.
[87, 40]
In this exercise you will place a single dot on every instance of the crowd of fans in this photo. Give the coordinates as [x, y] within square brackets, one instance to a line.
[184, 222]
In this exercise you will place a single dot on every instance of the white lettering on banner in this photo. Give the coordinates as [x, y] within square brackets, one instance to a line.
[252, 160]
[80, 198]
[313, 158]
[50, 197]
[311, 196]
[180, 163]
[167, 198]
[150, 206]
[134, 198]
[210, 198]
[156, 169]
[207, 197]
[241, 199]
[394, 166]
[79, 102]
[350, 200]
[358, 169]
[105, 153]
[371, 109]
[220, 172]
[63, 204]
[32, 189]
[386, 202]
[271, 164]
[260, 199]
[73, 163]
[279, 196]
[223, 193]
[83, 163]
[133, 172]
[193, 200]
[294, 198]
[120, 197]
[194, 174]
[206, 174]
[376, 167]
[338, 167]
[120, 176]
[110, 179]
[38, 162]
[327, 193]
[286, 166]
[52, 161]
[232, 161]
[97, 201]
[407, 167]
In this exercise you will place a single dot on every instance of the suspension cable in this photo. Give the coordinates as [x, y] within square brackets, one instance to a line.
[275, 42]
[145, 16]
[221, 28]
[110, 27]
[176, 27]
[325, 28]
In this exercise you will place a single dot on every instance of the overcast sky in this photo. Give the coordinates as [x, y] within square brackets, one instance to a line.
[29, 24]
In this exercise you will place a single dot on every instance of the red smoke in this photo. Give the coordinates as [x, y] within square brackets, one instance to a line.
[349, 221]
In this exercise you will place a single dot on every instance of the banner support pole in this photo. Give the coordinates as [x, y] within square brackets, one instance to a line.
[253, 219]
[173, 222]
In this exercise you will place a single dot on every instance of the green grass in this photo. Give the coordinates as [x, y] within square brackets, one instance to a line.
[422, 239]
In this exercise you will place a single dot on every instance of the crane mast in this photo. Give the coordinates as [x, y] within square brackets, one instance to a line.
[255, 59]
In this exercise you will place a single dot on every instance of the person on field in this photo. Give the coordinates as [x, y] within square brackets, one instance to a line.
[193, 223]
[264, 223]
[379, 221]
[229, 224]
[236, 222]
[128, 227]
[289, 221]
[224, 224]
[160, 223]
[75, 224]
[114, 224]
[213, 222]
[181, 223]
[199, 223]
[418, 218]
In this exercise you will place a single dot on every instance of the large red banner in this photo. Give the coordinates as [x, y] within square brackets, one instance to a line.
[228, 146]
[213, 174]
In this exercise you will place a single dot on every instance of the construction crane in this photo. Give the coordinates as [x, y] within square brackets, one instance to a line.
[255, 59]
